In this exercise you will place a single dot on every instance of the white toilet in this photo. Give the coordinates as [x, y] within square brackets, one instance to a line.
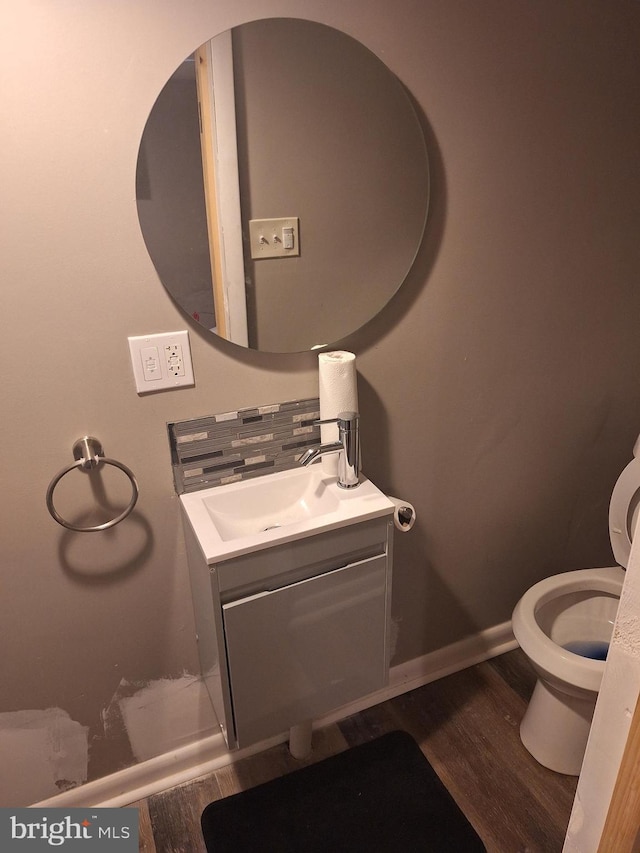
[564, 625]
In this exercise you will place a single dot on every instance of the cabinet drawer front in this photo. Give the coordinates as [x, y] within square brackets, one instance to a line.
[306, 649]
[322, 553]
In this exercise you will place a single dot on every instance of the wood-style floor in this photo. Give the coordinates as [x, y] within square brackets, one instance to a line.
[467, 726]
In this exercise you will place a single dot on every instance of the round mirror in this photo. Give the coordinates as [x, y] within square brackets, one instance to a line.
[282, 185]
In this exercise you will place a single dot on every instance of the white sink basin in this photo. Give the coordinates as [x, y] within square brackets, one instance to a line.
[267, 503]
[249, 515]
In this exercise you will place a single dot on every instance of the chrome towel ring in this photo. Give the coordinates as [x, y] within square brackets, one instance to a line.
[88, 454]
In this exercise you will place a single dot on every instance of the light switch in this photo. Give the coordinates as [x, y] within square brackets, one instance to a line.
[161, 362]
[150, 363]
[287, 238]
[274, 238]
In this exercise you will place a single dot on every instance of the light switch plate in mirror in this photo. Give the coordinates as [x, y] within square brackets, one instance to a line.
[274, 238]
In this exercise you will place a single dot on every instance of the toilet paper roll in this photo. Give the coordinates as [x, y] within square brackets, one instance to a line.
[338, 386]
[404, 514]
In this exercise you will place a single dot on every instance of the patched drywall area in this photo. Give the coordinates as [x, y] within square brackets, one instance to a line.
[160, 716]
[42, 753]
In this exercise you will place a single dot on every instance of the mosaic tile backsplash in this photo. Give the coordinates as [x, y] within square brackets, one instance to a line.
[238, 445]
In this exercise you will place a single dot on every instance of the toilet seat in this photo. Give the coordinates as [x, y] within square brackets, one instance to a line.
[541, 650]
[576, 606]
[623, 511]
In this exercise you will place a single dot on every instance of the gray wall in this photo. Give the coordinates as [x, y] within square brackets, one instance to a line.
[498, 391]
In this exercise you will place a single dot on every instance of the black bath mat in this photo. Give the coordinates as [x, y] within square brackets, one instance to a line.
[380, 797]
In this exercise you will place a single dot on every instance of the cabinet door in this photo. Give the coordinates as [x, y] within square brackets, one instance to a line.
[308, 648]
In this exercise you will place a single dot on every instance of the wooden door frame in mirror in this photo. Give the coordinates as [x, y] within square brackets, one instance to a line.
[215, 88]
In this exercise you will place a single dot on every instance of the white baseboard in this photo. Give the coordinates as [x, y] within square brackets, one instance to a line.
[209, 754]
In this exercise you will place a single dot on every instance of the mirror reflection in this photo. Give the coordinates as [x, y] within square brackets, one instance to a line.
[277, 123]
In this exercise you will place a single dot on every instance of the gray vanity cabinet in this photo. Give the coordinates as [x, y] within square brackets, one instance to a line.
[289, 633]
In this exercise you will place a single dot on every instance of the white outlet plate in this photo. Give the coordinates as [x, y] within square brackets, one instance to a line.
[268, 238]
[161, 362]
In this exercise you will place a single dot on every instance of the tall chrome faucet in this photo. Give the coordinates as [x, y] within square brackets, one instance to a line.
[348, 446]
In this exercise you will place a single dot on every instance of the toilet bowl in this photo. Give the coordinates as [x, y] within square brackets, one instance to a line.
[564, 624]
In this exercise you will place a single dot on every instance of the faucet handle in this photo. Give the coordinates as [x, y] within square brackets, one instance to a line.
[343, 417]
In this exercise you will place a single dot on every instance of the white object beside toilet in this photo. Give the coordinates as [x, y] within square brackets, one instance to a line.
[564, 624]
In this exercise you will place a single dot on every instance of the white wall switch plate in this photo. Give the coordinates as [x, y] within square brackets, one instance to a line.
[274, 238]
[161, 362]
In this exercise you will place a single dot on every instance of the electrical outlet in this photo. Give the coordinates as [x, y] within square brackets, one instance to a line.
[161, 362]
[175, 359]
